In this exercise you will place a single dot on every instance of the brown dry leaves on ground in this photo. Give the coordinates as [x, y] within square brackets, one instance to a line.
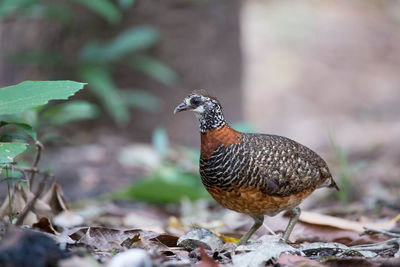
[114, 234]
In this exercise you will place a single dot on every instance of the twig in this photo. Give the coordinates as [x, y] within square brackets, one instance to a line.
[376, 231]
[391, 243]
[32, 202]
[39, 148]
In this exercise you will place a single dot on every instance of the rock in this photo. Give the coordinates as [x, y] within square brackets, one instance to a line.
[200, 237]
[131, 258]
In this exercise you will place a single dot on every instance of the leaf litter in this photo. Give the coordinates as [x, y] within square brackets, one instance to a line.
[202, 234]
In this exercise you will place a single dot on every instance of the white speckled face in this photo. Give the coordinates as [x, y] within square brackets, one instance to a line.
[207, 110]
[199, 109]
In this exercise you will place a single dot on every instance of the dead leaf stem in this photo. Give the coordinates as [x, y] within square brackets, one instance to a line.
[32, 202]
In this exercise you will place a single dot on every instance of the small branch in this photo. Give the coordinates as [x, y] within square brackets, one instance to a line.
[376, 231]
[31, 203]
[39, 148]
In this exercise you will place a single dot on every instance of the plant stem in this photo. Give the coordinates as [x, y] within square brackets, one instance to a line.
[10, 211]
[39, 147]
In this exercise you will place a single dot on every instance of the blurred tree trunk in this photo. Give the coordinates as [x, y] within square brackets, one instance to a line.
[200, 41]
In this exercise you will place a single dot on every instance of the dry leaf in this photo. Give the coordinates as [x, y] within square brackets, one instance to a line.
[44, 225]
[205, 260]
[19, 204]
[128, 243]
[260, 252]
[168, 240]
[108, 238]
[54, 197]
[358, 227]
[40, 205]
[175, 224]
[296, 261]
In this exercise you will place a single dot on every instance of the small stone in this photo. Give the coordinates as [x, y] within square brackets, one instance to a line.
[200, 237]
[131, 258]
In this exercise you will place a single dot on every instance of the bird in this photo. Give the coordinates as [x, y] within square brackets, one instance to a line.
[252, 173]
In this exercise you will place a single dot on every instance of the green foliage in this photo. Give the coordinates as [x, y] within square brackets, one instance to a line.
[344, 171]
[140, 99]
[69, 112]
[29, 94]
[126, 3]
[96, 59]
[26, 128]
[10, 6]
[127, 42]
[8, 151]
[165, 185]
[104, 8]
[17, 99]
[154, 68]
[102, 85]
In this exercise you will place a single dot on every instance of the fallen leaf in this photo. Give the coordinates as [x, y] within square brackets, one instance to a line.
[54, 197]
[40, 205]
[107, 238]
[168, 240]
[260, 252]
[228, 239]
[205, 260]
[296, 261]
[44, 225]
[128, 243]
[358, 227]
[175, 224]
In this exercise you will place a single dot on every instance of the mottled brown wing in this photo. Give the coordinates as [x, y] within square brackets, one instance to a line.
[284, 167]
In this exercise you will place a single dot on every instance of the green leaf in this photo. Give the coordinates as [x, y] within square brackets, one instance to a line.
[70, 111]
[141, 100]
[155, 69]
[104, 8]
[10, 6]
[131, 40]
[10, 137]
[28, 94]
[26, 128]
[166, 185]
[8, 151]
[126, 3]
[102, 85]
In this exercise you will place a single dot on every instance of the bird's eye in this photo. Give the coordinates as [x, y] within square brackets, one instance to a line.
[195, 101]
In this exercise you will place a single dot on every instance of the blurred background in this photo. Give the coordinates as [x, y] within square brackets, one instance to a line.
[326, 74]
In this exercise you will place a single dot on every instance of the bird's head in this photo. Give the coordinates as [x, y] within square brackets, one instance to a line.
[206, 108]
[198, 103]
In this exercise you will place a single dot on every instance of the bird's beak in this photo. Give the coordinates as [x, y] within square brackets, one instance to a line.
[181, 107]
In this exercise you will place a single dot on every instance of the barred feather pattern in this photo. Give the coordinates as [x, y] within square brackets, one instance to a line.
[276, 165]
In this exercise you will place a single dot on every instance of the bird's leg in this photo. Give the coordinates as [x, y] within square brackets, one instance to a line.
[258, 221]
[294, 217]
